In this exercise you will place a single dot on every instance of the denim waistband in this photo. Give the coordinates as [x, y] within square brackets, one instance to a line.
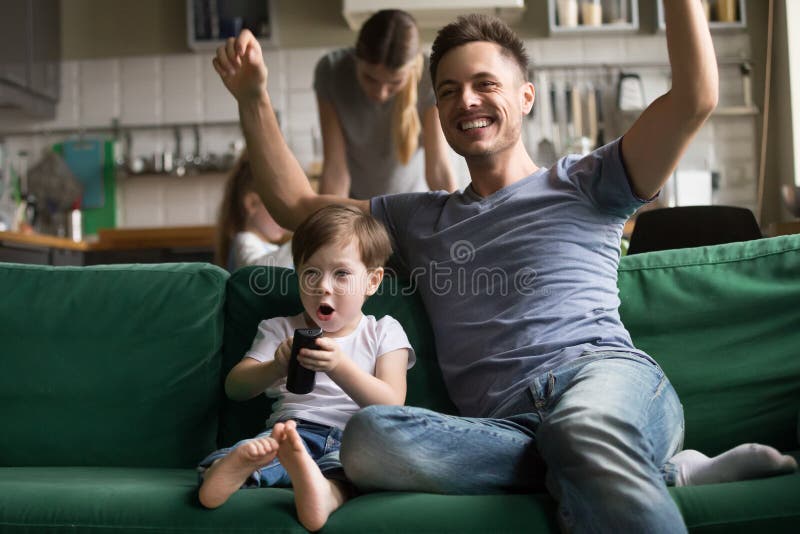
[540, 385]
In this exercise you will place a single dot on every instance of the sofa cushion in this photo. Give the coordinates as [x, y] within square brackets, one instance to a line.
[109, 365]
[114, 500]
[257, 293]
[724, 323]
[111, 500]
[763, 505]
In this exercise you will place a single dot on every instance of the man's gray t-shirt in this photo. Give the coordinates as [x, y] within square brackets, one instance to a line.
[521, 281]
[367, 129]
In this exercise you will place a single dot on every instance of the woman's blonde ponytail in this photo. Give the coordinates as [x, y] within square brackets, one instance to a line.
[405, 118]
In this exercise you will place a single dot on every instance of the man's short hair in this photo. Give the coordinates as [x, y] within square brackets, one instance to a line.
[340, 225]
[476, 27]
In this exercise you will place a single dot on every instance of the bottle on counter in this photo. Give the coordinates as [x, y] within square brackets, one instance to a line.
[75, 222]
[24, 217]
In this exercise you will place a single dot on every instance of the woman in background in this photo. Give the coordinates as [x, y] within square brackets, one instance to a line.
[246, 232]
[375, 103]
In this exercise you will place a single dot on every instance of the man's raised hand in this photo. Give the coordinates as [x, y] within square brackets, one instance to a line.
[241, 66]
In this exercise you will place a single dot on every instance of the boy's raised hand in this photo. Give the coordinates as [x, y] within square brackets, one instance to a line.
[241, 66]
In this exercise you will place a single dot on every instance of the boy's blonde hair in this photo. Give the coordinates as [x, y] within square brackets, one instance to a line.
[337, 224]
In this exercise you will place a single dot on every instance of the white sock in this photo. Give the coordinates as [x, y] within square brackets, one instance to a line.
[751, 460]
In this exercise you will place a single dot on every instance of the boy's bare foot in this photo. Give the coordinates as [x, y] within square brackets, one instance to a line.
[227, 474]
[315, 497]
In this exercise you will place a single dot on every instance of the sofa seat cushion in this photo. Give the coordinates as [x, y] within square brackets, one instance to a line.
[99, 500]
[119, 499]
[394, 512]
[764, 505]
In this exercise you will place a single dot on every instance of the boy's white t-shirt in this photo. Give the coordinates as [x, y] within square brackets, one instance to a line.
[327, 404]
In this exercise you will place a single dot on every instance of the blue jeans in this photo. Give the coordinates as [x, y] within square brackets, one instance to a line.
[596, 431]
[322, 443]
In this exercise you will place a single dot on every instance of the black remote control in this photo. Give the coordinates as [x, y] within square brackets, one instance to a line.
[300, 379]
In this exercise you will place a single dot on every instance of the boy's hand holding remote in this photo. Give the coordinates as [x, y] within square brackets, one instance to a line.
[325, 359]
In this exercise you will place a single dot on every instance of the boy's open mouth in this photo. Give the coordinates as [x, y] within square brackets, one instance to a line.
[325, 311]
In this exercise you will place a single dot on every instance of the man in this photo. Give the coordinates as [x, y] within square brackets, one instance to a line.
[518, 275]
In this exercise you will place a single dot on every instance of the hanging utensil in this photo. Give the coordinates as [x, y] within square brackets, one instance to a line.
[630, 92]
[577, 112]
[591, 115]
[545, 151]
[555, 124]
[601, 134]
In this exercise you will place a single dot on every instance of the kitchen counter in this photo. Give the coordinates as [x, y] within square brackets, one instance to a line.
[123, 245]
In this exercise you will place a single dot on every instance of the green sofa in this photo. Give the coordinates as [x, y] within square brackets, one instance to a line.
[110, 392]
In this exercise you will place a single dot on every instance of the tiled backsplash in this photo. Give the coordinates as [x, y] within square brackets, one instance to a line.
[161, 90]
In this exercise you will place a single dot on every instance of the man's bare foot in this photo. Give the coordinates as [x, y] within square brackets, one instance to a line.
[315, 497]
[227, 474]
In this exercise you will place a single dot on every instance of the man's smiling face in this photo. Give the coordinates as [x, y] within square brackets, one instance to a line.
[481, 95]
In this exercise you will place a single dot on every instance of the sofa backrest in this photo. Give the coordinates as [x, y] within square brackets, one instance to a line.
[257, 293]
[109, 365]
[724, 323]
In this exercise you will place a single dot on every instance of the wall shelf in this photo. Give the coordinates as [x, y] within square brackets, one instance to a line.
[714, 24]
[111, 128]
[626, 21]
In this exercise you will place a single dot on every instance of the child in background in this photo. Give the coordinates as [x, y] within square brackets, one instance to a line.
[360, 360]
[246, 233]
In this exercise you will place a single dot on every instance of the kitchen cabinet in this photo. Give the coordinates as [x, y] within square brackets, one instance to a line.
[210, 22]
[585, 17]
[30, 50]
[722, 14]
[45, 73]
[14, 43]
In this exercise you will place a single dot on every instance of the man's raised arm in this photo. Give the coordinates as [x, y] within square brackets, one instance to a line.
[280, 181]
[653, 146]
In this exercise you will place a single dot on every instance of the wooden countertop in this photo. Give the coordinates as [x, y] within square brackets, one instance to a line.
[123, 239]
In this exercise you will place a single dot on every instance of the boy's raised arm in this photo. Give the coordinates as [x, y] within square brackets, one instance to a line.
[280, 180]
[653, 146]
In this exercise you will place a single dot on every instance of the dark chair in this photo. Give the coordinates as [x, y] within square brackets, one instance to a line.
[692, 226]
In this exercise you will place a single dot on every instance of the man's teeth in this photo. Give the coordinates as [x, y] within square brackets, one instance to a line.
[480, 123]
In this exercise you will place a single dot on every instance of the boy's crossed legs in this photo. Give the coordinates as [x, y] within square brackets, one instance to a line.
[316, 497]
